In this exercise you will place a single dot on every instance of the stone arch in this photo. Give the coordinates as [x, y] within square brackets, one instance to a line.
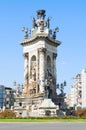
[33, 68]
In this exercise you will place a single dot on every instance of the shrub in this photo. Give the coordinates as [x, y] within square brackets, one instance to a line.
[7, 114]
[81, 112]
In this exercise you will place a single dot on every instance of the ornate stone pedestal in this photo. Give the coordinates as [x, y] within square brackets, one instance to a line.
[48, 108]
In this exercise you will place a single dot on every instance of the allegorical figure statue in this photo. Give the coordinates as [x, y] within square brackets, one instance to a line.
[40, 22]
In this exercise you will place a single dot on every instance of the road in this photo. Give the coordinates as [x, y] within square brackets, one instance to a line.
[42, 126]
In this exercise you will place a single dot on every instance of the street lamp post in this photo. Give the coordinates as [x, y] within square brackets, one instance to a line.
[61, 86]
[19, 87]
[61, 96]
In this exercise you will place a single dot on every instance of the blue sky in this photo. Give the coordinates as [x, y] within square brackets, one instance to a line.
[68, 15]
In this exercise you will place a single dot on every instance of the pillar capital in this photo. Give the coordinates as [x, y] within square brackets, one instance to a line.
[42, 49]
[25, 55]
[54, 55]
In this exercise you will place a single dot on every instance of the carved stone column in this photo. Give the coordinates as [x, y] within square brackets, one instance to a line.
[54, 63]
[42, 52]
[26, 72]
[54, 72]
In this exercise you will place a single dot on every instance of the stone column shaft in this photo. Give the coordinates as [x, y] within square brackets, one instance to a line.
[54, 59]
[26, 73]
[42, 69]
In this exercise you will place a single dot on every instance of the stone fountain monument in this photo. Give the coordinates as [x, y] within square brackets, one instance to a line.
[40, 52]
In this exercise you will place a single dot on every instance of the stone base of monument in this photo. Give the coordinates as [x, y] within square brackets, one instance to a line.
[25, 107]
[47, 108]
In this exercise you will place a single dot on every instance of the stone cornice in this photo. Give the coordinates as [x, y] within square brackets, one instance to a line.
[41, 36]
